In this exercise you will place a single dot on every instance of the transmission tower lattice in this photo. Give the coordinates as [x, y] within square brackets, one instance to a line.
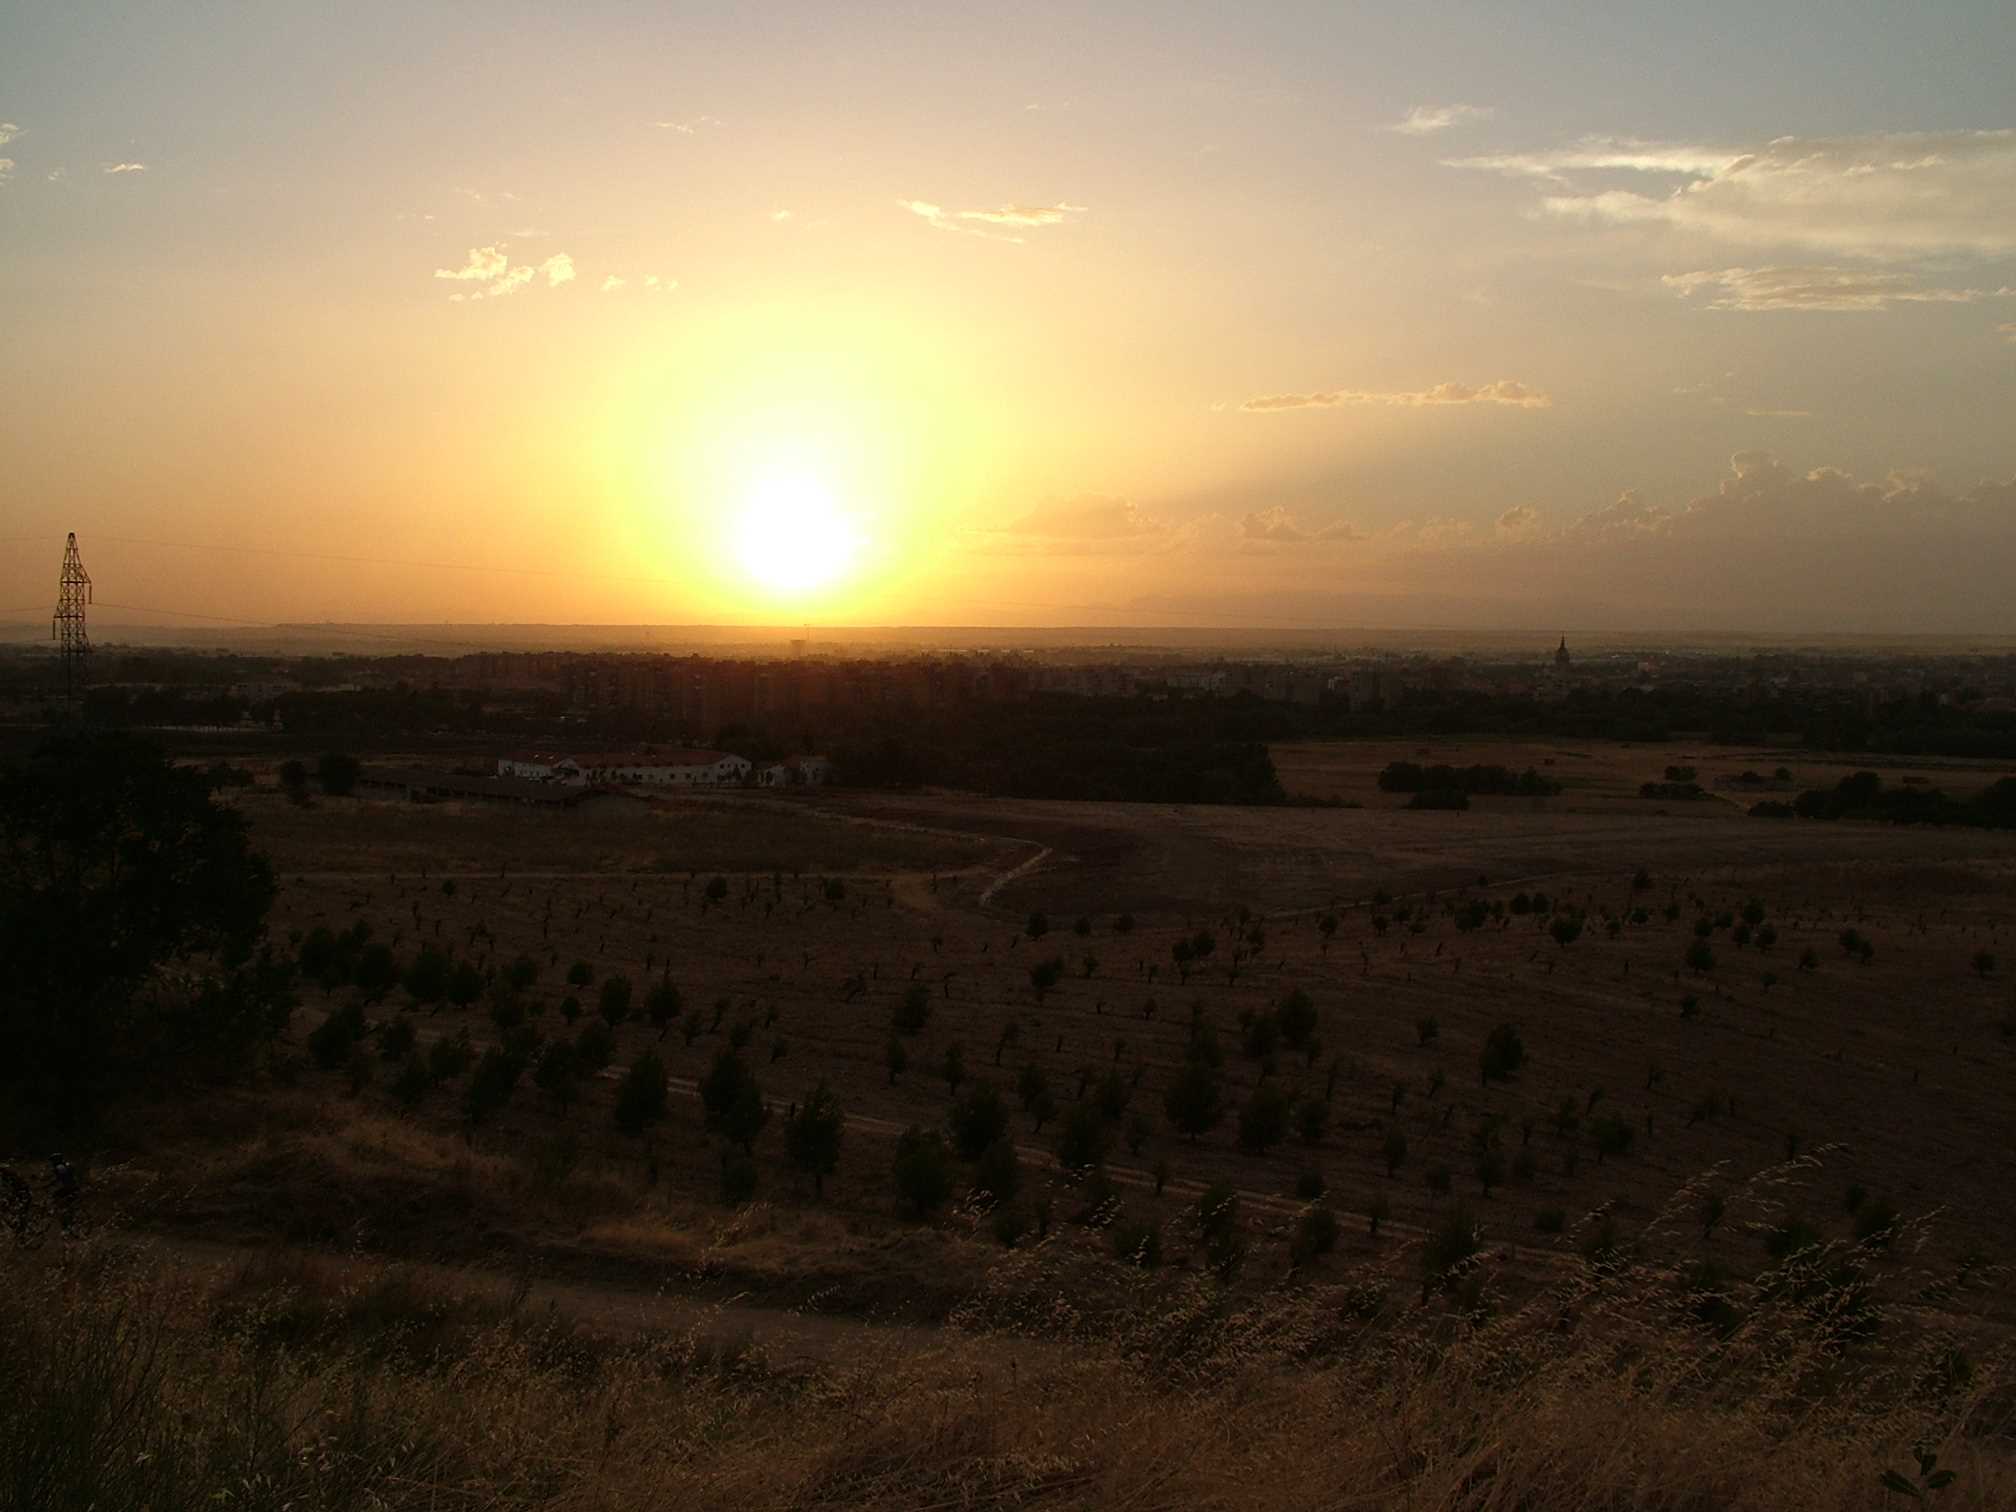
[67, 627]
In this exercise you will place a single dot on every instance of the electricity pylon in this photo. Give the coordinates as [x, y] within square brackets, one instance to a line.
[66, 628]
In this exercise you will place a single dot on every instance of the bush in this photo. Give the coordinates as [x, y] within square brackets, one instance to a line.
[449, 1058]
[395, 1040]
[338, 773]
[812, 1136]
[738, 1178]
[412, 1084]
[1137, 1242]
[594, 1046]
[732, 1100]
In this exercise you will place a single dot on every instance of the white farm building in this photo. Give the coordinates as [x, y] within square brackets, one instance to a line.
[682, 767]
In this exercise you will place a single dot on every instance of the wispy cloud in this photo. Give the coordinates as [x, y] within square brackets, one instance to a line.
[492, 270]
[1504, 391]
[1812, 288]
[2007, 330]
[780, 216]
[1425, 120]
[995, 223]
[484, 264]
[692, 126]
[613, 285]
[6, 169]
[8, 131]
[1276, 526]
[125, 167]
[1617, 154]
[1893, 196]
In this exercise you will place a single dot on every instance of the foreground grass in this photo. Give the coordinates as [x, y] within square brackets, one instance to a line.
[126, 1382]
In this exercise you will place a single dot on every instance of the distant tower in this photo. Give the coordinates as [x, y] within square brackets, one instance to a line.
[67, 627]
[1561, 657]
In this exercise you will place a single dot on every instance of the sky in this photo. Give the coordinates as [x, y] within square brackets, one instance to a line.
[1581, 316]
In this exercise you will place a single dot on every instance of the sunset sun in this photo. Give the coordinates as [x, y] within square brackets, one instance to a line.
[791, 537]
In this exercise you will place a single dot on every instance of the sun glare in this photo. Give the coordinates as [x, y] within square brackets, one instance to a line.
[791, 536]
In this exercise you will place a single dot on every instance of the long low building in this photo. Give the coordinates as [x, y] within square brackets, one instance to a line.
[421, 786]
[679, 767]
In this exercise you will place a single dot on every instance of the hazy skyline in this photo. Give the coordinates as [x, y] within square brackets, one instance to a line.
[1695, 317]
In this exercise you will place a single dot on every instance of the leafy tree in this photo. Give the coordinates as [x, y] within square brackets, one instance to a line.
[1217, 1218]
[978, 1118]
[1312, 1117]
[1700, 957]
[1984, 963]
[427, 977]
[1297, 1018]
[1315, 1236]
[615, 1000]
[663, 1004]
[954, 1067]
[449, 1058]
[580, 974]
[1490, 1170]
[294, 777]
[923, 1170]
[338, 773]
[896, 1058]
[395, 1040]
[113, 863]
[411, 1086]
[1394, 1150]
[522, 973]
[732, 1101]
[557, 1072]
[1613, 1136]
[1038, 925]
[465, 984]
[1081, 1144]
[490, 1088]
[1263, 1122]
[1427, 1030]
[812, 1136]
[1450, 1245]
[1566, 930]
[642, 1095]
[1194, 1103]
[998, 1171]
[594, 1046]
[914, 1011]
[1503, 1054]
[1044, 975]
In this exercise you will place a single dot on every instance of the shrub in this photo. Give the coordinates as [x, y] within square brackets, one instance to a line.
[449, 1058]
[663, 1004]
[395, 1040]
[1137, 1242]
[580, 974]
[738, 1178]
[412, 1083]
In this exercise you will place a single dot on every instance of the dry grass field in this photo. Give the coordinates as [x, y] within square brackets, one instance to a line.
[1667, 1118]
